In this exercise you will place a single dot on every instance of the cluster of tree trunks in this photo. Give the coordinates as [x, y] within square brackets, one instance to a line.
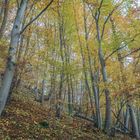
[130, 123]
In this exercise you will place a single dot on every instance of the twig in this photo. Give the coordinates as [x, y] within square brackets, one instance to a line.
[134, 51]
[133, 39]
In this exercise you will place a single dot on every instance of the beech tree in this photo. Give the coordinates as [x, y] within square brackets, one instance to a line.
[79, 58]
[11, 61]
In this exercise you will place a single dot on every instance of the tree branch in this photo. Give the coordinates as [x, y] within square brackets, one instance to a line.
[99, 9]
[100, 6]
[136, 50]
[120, 121]
[122, 46]
[28, 24]
[108, 17]
[82, 116]
[115, 51]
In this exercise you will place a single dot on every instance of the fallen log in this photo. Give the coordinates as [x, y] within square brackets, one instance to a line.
[82, 116]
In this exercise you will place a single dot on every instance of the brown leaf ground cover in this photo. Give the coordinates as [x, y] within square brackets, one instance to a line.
[22, 119]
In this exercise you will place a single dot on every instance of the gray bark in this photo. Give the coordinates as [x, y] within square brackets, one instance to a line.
[138, 118]
[105, 79]
[10, 68]
[1, 9]
[36, 93]
[84, 66]
[93, 79]
[61, 43]
[126, 121]
[43, 91]
[135, 130]
[69, 96]
[3, 24]
[67, 60]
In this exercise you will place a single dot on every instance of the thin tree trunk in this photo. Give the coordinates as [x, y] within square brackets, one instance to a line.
[72, 90]
[126, 120]
[59, 104]
[105, 79]
[53, 74]
[4, 21]
[135, 130]
[92, 77]
[69, 97]
[43, 91]
[84, 65]
[67, 57]
[1, 9]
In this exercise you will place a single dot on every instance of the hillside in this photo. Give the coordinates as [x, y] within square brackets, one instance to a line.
[72, 68]
[25, 119]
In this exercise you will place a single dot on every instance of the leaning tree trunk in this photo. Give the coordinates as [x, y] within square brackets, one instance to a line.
[11, 62]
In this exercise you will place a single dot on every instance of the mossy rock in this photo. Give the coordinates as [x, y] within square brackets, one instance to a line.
[44, 124]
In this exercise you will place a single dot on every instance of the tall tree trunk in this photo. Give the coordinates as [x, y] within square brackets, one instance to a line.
[138, 118]
[67, 60]
[43, 91]
[61, 43]
[11, 62]
[1, 9]
[105, 79]
[92, 77]
[69, 96]
[87, 87]
[52, 91]
[72, 90]
[126, 120]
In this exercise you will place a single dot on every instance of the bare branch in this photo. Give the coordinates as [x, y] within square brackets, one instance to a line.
[99, 9]
[91, 12]
[133, 39]
[134, 51]
[115, 51]
[31, 7]
[100, 6]
[90, 27]
[28, 24]
[108, 17]
[120, 121]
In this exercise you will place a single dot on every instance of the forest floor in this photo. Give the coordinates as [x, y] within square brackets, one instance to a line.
[25, 119]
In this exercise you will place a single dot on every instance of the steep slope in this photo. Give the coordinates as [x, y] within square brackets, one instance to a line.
[25, 119]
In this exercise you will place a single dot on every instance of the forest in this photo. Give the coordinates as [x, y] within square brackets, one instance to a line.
[69, 69]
